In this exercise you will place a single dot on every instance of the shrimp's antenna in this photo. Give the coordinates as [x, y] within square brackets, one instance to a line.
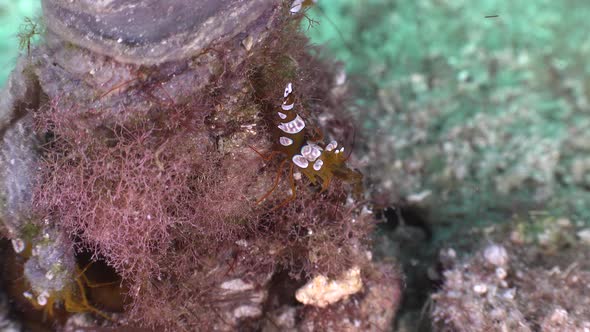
[345, 41]
[352, 144]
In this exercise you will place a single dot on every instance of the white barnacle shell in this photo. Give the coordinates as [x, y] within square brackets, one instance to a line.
[311, 151]
[300, 161]
[331, 146]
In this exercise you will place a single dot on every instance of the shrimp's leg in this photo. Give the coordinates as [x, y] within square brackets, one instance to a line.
[317, 136]
[276, 183]
[293, 191]
[265, 158]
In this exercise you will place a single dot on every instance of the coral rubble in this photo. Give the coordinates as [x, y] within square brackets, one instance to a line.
[515, 286]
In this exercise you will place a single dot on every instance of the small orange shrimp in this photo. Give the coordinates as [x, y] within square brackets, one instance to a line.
[319, 162]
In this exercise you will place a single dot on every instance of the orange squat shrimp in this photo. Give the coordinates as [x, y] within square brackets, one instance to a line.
[314, 159]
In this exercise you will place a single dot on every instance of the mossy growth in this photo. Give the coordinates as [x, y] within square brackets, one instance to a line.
[545, 230]
[29, 231]
[29, 32]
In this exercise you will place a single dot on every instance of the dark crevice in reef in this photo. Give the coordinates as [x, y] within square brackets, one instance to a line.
[410, 228]
[104, 287]
[405, 215]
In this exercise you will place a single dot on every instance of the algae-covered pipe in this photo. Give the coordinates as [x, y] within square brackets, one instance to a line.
[150, 31]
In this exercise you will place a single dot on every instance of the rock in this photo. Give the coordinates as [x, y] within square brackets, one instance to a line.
[496, 255]
[372, 309]
[321, 291]
[51, 267]
[477, 297]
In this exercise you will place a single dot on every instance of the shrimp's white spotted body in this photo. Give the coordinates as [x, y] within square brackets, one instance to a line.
[294, 126]
[307, 155]
[305, 152]
[300, 161]
[311, 151]
[288, 90]
[331, 146]
[285, 141]
[318, 164]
